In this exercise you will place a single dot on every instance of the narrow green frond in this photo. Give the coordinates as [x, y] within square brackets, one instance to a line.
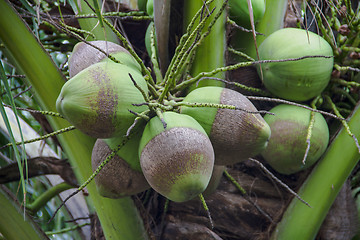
[21, 160]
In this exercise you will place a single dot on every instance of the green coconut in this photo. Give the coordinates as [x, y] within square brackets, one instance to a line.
[295, 80]
[239, 11]
[287, 144]
[85, 55]
[98, 99]
[236, 135]
[177, 161]
[122, 175]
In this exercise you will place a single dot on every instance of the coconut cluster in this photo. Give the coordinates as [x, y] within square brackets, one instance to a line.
[174, 152]
[302, 72]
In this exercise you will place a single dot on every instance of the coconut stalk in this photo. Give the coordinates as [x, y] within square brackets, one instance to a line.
[14, 223]
[322, 186]
[46, 81]
[210, 55]
[101, 31]
[272, 20]
[162, 21]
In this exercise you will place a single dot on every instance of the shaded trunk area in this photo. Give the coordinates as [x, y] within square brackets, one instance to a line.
[237, 217]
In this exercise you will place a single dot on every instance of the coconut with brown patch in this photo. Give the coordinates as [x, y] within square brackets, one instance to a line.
[235, 134]
[287, 145]
[84, 55]
[122, 175]
[97, 100]
[177, 161]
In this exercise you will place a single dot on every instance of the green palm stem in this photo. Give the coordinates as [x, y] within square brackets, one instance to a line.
[321, 187]
[119, 217]
[93, 24]
[162, 22]
[42, 200]
[210, 54]
[272, 20]
[14, 223]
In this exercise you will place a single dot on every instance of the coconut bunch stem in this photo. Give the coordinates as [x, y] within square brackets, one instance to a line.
[179, 60]
[190, 81]
[344, 123]
[241, 54]
[128, 47]
[326, 31]
[346, 83]
[310, 128]
[346, 68]
[206, 208]
[278, 100]
[73, 32]
[202, 37]
[64, 130]
[76, 31]
[241, 86]
[220, 106]
[153, 57]
[46, 113]
[133, 15]
[180, 50]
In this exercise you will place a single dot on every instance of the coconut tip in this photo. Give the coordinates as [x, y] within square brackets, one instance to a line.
[188, 188]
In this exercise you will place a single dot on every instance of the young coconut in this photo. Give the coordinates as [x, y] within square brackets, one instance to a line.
[122, 175]
[85, 55]
[287, 144]
[235, 134]
[177, 161]
[295, 80]
[98, 99]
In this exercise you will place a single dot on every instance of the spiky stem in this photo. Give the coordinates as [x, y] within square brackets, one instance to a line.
[294, 104]
[64, 130]
[42, 200]
[206, 208]
[344, 123]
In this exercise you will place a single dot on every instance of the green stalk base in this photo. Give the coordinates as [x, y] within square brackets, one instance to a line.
[320, 189]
